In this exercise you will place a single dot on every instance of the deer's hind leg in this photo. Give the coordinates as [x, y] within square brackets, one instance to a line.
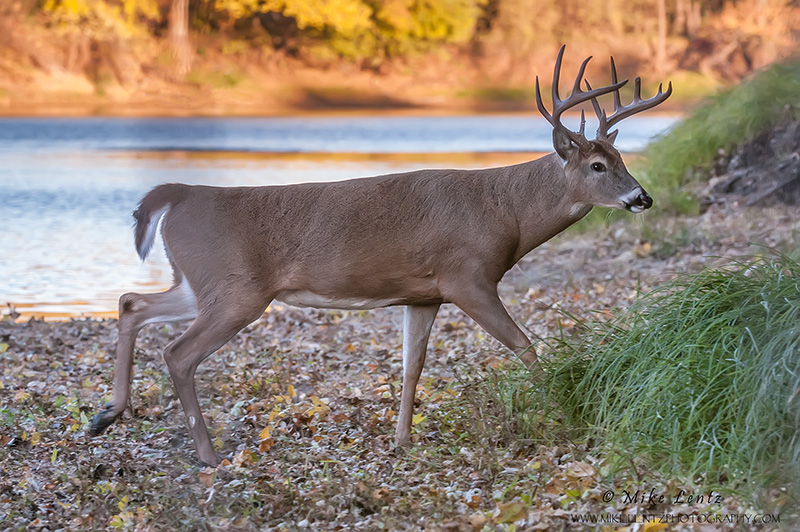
[227, 313]
[135, 311]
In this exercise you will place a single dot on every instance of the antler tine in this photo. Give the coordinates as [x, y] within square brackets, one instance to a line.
[577, 96]
[540, 105]
[617, 101]
[624, 111]
[599, 111]
[557, 78]
[552, 118]
[576, 87]
[638, 105]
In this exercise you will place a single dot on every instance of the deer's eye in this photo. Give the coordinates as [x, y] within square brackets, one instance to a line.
[598, 167]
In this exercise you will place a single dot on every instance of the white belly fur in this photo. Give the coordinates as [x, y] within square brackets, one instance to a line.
[304, 298]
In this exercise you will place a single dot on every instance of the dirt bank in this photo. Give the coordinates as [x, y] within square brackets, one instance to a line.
[764, 171]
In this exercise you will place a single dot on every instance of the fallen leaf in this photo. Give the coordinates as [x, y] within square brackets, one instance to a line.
[474, 501]
[643, 250]
[581, 470]
[599, 289]
[513, 511]
[266, 445]
[382, 494]
[477, 521]
[21, 396]
[207, 476]
[243, 459]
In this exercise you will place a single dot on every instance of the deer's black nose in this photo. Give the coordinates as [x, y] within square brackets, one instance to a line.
[644, 200]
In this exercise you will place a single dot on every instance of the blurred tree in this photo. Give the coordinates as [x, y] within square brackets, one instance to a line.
[95, 32]
[102, 19]
[508, 40]
[661, 46]
[374, 29]
[179, 35]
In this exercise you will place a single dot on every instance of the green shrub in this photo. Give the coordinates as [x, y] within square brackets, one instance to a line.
[701, 378]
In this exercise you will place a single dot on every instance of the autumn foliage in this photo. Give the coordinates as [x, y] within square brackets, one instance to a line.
[503, 42]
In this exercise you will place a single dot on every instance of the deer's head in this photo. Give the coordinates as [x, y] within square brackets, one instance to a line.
[594, 167]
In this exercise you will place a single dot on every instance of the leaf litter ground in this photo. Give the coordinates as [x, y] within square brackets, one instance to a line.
[302, 406]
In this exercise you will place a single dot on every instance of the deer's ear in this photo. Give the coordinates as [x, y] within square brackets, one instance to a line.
[563, 143]
[612, 136]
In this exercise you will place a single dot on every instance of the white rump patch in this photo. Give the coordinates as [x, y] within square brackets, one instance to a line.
[181, 305]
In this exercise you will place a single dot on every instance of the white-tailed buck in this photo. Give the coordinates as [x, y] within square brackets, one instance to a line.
[417, 239]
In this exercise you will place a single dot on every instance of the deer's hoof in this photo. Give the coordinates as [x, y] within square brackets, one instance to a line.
[403, 443]
[102, 420]
[207, 462]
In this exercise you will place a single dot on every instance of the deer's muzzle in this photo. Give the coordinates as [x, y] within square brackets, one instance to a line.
[637, 201]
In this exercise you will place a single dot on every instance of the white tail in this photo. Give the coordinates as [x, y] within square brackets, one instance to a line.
[146, 227]
[418, 239]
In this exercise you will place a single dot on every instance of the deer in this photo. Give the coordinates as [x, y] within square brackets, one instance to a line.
[417, 239]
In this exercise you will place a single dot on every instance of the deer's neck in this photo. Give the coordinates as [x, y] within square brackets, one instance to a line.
[544, 201]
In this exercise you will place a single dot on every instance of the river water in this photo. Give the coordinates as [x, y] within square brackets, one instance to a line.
[68, 186]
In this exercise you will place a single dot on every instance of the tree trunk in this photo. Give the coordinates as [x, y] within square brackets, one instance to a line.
[661, 46]
[680, 18]
[179, 35]
[694, 17]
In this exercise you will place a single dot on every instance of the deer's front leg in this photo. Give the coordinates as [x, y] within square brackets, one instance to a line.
[481, 303]
[417, 325]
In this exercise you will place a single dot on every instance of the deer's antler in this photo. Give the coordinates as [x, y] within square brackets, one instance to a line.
[577, 96]
[624, 111]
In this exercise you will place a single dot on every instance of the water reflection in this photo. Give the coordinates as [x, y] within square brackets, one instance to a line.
[319, 134]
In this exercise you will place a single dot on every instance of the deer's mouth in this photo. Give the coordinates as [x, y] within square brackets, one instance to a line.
[636, 209]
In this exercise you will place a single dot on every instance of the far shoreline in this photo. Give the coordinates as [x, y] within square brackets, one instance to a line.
[265, 104]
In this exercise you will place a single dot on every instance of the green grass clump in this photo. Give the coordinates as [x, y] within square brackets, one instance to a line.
[731, 117]
[701, 379]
